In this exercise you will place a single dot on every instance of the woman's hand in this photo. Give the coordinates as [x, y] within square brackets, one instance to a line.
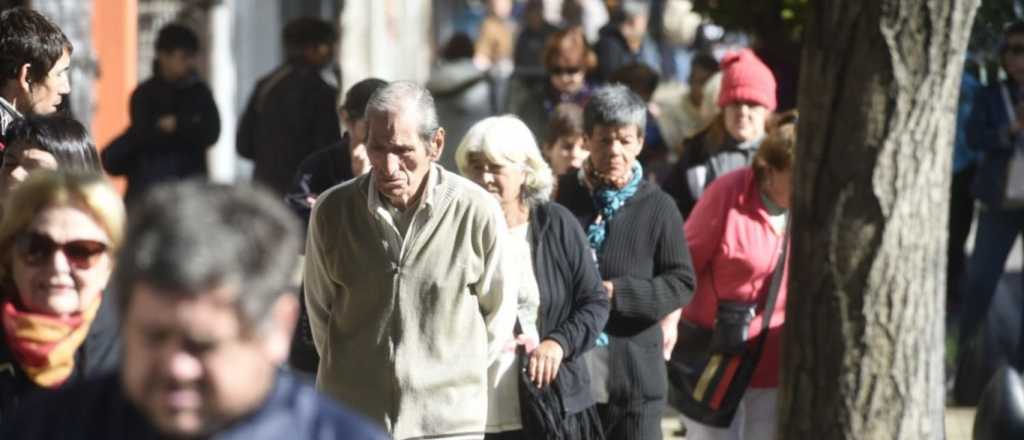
[544, 363]
[670, 332]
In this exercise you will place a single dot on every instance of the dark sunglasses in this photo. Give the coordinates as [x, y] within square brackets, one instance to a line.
[1015, 49]
[36, 249]
[555, 71]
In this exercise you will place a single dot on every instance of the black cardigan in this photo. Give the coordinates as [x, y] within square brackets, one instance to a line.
[573, 304]
[647, 259]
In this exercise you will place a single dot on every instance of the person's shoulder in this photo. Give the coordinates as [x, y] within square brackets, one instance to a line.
[350, 191]
[65, 410]
[326, 418]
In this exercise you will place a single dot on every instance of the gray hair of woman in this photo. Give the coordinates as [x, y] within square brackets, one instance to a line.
[507, 141]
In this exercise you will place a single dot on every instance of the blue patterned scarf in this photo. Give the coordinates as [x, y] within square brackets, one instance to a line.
[609, 201]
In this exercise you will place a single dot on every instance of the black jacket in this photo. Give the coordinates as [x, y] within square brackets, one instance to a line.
[573, 304]
[290, 114]
[99, 354]
[148, 156]
[317, 173]
[646, 257]
[612, 52]
[97, 409]
[718, 160]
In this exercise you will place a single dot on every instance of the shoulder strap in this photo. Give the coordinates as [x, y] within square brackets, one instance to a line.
[773, 289]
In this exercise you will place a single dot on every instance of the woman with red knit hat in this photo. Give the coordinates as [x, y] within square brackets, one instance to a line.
[747, 99]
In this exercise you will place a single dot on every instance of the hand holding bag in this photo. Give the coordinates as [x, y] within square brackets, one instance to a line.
[710, 370]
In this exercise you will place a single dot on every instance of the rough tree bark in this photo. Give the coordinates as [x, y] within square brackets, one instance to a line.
[863, 348]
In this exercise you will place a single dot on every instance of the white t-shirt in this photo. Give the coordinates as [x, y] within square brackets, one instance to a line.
[503, 391]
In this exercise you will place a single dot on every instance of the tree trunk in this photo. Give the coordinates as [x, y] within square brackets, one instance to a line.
[863, 351]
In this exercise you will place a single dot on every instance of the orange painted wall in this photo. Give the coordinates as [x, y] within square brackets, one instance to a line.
[115, 35]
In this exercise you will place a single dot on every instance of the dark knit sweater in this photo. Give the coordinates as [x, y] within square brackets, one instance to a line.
[646, 257]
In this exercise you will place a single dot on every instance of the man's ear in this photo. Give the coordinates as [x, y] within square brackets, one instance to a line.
[23, 79]
[278, 339]
[438, 143]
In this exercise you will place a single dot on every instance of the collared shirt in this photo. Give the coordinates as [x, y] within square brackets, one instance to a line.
[8, 114]
[401, 226]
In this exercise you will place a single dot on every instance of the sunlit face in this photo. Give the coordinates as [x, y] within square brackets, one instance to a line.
[566, 153]
[61, 261]
[778, 186]
[745, 121]
[1013, 57]
[399, 157]
[504, 181]
[613, 149]
[175, 64]
[44, 96]
[189, 364]
[20, 159]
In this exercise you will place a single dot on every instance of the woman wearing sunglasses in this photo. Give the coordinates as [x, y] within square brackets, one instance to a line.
[57, 236]
[567, 59]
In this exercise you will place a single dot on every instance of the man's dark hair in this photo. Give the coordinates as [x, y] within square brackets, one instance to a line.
[306, 32]
[175, 36]
[1013, 28]
[639, 77]
[615, 106]
[26, 36]
[458, 47]
[190, 237]
[705, 60]
[60, 135]
[359, 94]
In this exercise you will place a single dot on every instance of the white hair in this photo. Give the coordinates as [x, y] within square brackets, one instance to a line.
[396, 96]
[506, 140]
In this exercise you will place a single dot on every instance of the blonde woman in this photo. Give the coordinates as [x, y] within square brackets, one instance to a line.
[57, 239]
[562, 305]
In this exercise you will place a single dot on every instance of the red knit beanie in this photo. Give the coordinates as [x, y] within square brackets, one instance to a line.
[746, 78]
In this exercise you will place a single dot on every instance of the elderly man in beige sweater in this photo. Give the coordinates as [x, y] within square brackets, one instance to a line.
[406, 282]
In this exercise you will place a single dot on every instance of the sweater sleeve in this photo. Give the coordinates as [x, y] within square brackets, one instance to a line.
[497, 288]
[317, 284]
[673, 282]
[589, 299]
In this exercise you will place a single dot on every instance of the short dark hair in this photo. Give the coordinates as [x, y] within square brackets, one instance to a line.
[26, 36]
[175, 36]
[60, 135]
[566, 120]
[458, 47]
[305, 32]
[705, 60]
[359, 94]
[639, 77]
[615, 105]
[189, 237]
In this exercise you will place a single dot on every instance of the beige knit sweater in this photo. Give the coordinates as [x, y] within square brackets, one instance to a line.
[406, 336]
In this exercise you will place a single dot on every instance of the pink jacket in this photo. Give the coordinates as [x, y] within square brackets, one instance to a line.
[735, 249]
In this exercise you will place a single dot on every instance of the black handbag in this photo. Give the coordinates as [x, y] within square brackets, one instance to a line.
[710, 370]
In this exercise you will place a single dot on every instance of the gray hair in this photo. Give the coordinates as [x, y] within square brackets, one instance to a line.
[188, 238]
[396, 96]
[506, 140]
[615, 106]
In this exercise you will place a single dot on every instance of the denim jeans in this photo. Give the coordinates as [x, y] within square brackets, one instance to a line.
[997, 230]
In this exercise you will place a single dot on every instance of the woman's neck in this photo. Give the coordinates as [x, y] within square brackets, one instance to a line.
[516, 213]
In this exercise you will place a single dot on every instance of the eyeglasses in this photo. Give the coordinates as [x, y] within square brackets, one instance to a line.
[556, 71]
[35, 249]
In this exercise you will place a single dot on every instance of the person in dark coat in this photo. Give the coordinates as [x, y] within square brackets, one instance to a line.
[206, 322]
[320, 171]
[174, 119]
[78, 217]
[291, 112]
[619, 42]
[637, 236]
[36, 58]
[562, 305]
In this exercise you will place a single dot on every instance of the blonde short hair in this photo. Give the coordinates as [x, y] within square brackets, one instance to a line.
[506, 140]
[88, 191]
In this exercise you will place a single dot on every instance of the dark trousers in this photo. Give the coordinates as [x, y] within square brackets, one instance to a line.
[961, 215]
[642, 423]
[997, 230]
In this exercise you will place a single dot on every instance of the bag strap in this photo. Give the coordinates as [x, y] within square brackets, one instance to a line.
[773, 289]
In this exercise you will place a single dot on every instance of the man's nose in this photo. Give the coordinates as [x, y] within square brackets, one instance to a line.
[184, 367]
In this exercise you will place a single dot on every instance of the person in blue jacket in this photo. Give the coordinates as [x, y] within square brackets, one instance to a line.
[994, 131]
[206, 320]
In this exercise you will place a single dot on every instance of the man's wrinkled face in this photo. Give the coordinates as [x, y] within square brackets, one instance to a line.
[400, 158]
[189, 364]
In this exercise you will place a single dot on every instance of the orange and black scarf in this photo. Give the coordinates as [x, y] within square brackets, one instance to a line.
[44, 345]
